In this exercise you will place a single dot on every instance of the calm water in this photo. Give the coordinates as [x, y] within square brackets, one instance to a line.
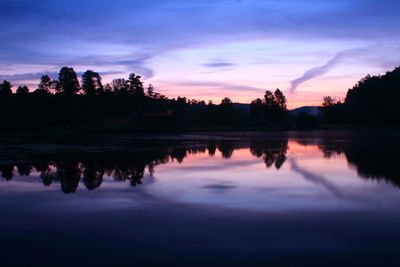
[295, 199]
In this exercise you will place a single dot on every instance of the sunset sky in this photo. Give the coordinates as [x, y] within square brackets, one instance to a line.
[205, 49]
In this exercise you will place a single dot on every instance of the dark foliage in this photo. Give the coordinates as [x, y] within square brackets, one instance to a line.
[91, 83]
[125, 104]
[373, 100]
[68, 81]
[306, 121]
[333, 112]
[270, 111]
[22, 90]
[5, 89]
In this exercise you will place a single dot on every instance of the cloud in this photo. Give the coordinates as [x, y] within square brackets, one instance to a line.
[28, 76]
[49, 34]
[130, 63]
[219, 64]
[53, 28]
[19, 79]
[220, 86]
[321, 70]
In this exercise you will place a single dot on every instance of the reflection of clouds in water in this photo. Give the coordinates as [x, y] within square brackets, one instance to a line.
[315, 178]
[220, 187]
[217, 166]
[240, 182]
[321, 180]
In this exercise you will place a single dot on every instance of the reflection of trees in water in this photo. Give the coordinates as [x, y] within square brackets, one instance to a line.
[376, 161]
[273, 152]
[226, 148]
[92, 175]
[331, 148]
[212, 148]
[7, 171]
[372, 160]
[69, 169]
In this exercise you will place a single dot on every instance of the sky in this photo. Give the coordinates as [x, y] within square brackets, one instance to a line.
[205, 49]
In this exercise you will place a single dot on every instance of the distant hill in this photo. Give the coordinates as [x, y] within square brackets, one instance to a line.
[311, 110]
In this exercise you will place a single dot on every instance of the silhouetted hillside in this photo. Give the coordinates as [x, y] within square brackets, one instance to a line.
[372, 101]
[375, 99]
[310, 110]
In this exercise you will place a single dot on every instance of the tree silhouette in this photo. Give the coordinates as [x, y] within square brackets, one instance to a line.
[270, 111]
[374, 99]
[135, 85]
[226, 112]
[280, 99]
[120, 86]
[257, 112]
[22, 90]
[269, 99]
[5, 88]
[150, 91]
[68, 81]
[91, 83]
[328, 101]
[46, 84]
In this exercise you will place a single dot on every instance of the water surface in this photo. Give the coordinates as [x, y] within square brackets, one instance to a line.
[290, 199]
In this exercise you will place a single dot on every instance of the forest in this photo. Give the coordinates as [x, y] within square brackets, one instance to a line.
[372, 101]
[125, 104]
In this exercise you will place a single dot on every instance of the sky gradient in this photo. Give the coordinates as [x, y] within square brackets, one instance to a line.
[205, 49]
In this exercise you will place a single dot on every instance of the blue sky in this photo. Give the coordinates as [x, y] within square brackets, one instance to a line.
[205, 49]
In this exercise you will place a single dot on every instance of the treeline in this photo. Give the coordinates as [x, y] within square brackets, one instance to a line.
[374, 100]
[126, 103]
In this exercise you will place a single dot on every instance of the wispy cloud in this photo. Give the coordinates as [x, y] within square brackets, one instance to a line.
[19, 78]
[315, 72]
[28, 76]
[220, 86]
[219, 64]
[101, 35]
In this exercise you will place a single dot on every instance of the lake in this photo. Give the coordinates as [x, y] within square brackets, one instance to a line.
[318, 198]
